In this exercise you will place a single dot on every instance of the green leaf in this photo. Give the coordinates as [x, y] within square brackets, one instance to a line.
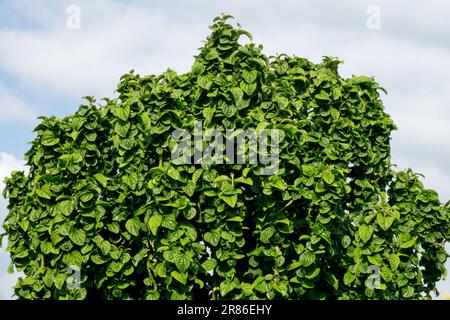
[361, 80]
[126, 144]
[229, 110]
[121, 128]
[182, 262]
[139, 256]
[21, 253]
[375, 260]
[260, 285]
[114, 267]
[307, 258]
[237, 93]
[169, 222]
[173, 173]
[122, 112]
[181, 203]
[281, 287]
[65, 207]
[236, 219]
[49, 139]
[205, 82]
[365, 232]
[332, 280]
[114, 227]
[309, 170]
[346, 241]
[146, 121]
[248, 88]
[200, 283]
[323, 95]
[427, 196]
[384, 222]
[154, 222]
[267, 234]
[160, 270]
[247, 288]
[23, 224]
[349, 278]
[328, 177]
[197, 174]
[133, 226]
[75, 259]
[180, 277]
[226, 287]
[101, 179]
[48, 278]
[1, 239]
[231, 200]
[394, 261]
[250, 75]
[244, 180]
[208, 113]
[408, 292]
[77, 236]
[105, 247]
[335, 114]
[169, 255]
[212, 237]
[190, 232]
[212, 54]
[99, 259]
[209, 264]
[190, 214]
[409, 243]
[278, 183]
[44, 192]
[386, 274]
[60, 280]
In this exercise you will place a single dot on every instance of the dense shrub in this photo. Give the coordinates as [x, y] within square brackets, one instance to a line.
[103, 195]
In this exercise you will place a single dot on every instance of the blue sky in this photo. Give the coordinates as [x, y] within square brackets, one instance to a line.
[45, 67]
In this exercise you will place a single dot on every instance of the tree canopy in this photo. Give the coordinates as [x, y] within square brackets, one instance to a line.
[104, 199]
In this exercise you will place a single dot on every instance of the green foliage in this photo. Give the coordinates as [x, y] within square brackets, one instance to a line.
[104, 195]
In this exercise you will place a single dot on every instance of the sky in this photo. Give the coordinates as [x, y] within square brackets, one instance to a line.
[52, 53]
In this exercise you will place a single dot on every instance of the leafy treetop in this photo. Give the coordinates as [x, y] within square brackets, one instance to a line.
[103, 196]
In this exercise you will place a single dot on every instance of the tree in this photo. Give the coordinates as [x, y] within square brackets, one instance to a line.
[104, 199]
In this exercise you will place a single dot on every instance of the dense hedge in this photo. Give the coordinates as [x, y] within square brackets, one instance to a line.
[102, 194]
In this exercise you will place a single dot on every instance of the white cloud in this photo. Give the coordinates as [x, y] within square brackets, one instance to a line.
[115, 37]
[14, 109]
[112, 40]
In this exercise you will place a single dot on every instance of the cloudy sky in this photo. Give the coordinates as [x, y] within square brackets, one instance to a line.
[48, 62]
